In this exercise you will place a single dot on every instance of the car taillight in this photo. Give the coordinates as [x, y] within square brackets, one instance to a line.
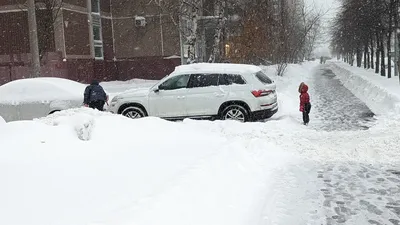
[260, 93]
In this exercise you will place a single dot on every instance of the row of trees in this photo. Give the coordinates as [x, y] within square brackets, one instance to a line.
[256, 31]
[278, 32]
[365, 30]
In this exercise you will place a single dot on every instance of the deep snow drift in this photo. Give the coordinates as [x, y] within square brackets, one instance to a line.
[85, 167]
[145, 171]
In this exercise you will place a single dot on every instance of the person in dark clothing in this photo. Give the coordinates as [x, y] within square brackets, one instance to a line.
[305, 105]
[95, 97]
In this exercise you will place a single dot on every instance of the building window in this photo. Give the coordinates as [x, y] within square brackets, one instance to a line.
[98, 52]
[227, 50]
[97, 31]
[95, 6]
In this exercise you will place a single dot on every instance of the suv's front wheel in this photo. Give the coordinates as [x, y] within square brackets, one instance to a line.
[235, 112]
[133, 112]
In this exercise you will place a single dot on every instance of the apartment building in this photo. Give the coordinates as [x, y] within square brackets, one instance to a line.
[86, 39]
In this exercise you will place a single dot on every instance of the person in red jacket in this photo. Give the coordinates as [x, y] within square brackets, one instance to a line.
[305, 105]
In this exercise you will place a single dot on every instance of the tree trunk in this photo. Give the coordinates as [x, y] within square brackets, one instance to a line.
[368, 60]
[33, 39]
[372, 54]
[359, 56]
[215, 55]
[365, 56]
[389, 39]
[382, 50]
[352, 59]
[377, 54]
[396, 37]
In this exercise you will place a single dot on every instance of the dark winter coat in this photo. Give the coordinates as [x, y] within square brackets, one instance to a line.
[304, 96]
[94, 92]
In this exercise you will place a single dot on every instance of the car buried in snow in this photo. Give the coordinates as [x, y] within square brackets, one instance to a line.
[203, 91]
[27, 99]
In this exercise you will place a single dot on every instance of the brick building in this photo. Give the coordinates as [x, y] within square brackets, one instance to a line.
[102, 39]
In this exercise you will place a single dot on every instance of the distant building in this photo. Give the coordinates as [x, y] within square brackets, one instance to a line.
[102, 39]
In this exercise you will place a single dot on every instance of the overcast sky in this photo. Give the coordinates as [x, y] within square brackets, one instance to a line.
[325, 5]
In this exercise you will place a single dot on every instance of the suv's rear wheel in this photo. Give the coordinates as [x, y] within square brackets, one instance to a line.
[133, 112]
[235, 112]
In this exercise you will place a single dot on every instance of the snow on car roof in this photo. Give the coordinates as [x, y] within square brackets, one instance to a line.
[216, 68]
[40, 89]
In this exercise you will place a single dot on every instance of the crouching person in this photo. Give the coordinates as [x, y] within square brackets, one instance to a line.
[95, 97]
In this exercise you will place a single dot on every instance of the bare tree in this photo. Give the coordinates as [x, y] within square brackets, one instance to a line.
[216, 50]
[48, 11]
[33, 39]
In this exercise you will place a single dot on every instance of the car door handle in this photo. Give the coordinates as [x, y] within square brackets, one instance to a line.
[181, 97]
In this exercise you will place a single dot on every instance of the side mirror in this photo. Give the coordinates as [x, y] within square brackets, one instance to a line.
[157, 89]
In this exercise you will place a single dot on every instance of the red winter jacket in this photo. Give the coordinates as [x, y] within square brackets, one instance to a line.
[304, 97]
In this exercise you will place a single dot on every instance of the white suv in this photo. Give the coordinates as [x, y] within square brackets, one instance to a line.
[203, 90]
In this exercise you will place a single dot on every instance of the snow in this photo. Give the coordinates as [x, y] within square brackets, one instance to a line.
[216, 67]
[86, 167]
[2, 121]
[382, 95]
[40, 89]
[55, 178]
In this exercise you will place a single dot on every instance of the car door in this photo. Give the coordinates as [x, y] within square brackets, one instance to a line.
[168, 100]
[33, 110]
[204, 95]
[9, 111]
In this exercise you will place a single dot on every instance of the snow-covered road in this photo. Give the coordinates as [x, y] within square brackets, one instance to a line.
[350, 192]
[154, 172]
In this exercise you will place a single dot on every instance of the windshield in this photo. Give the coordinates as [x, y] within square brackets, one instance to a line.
[161, 81]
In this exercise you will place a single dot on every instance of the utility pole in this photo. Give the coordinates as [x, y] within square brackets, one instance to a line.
[33, 39]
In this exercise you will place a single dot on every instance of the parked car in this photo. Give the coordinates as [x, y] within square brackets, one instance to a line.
[27, 99]
[203, 90]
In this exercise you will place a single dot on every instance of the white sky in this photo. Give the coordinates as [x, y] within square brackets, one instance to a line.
[331, 7]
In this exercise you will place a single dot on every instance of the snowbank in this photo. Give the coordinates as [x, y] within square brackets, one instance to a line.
[381, 95]
[146, 171]
[2, 121]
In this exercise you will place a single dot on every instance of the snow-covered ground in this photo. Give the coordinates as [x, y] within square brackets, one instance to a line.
[84, 167]
[381, 94]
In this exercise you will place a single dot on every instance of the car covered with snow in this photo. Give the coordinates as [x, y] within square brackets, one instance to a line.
[203, 90]
[27, 99]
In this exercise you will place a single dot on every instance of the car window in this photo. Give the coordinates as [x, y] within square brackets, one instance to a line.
[229, 79]
[203, 80]
[176, 82]
[263, 78]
